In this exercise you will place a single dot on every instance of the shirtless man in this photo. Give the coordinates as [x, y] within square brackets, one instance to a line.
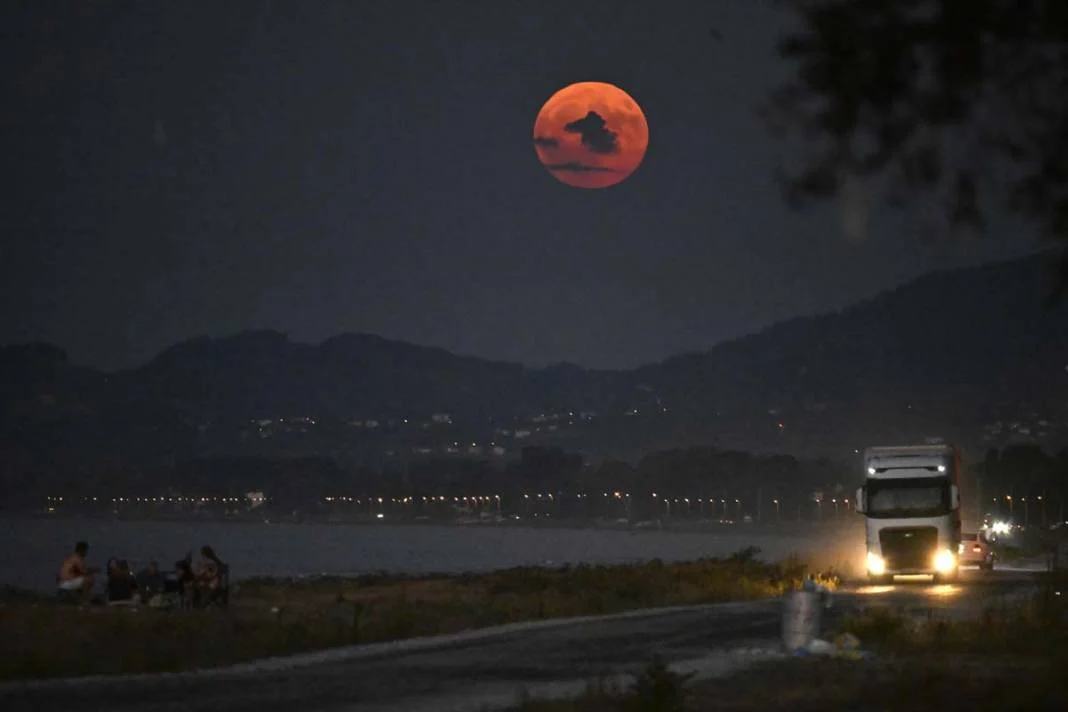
[75, 575]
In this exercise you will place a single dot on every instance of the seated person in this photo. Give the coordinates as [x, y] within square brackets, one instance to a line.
[150, 582]
[75, 575]
[184, 580]
[210, 577]
[210, 569]
[184, 571]
[121, 586]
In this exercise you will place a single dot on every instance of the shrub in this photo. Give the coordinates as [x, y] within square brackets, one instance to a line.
[658, 689]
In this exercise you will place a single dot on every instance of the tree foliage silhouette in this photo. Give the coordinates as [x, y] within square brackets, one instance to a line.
[966, 100]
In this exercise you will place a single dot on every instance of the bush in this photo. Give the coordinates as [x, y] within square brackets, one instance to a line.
[658, 689]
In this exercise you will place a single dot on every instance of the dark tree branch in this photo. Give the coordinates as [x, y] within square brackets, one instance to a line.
[965, 100]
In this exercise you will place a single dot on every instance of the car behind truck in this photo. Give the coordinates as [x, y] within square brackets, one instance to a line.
[911, 504]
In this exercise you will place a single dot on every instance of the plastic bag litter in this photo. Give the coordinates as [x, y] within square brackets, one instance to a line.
[814, 647]
[845, 646]
[847, 641]
[820, 647]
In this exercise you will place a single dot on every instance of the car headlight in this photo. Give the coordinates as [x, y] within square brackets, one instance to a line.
[876, 564]
[945, 561]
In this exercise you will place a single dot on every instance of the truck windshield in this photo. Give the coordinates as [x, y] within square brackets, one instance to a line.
[912, 497]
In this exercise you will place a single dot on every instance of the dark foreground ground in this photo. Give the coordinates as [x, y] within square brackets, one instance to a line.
[931, 684]
[449, 674]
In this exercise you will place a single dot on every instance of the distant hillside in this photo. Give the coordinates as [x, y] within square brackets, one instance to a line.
[947, 354]
[938, 355]
[981, 328]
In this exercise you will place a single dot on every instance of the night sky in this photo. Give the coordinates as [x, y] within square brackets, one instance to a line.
[184, 168]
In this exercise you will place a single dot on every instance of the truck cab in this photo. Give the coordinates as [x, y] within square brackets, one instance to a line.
[911, 504]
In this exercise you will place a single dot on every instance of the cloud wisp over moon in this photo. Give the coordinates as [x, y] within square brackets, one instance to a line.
[595, 134]
[579, 167]
[546, 142]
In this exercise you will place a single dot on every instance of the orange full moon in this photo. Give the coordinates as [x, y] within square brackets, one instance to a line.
[591, 135]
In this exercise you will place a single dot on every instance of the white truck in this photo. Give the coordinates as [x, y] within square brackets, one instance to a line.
[911, 503]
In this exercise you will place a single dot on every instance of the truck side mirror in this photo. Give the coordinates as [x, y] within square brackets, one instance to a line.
[861, 500]
[954, 498]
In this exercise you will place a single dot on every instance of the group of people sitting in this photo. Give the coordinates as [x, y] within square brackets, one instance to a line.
[188, 585]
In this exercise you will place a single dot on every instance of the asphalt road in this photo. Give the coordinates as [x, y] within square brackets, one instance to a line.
[398, 679]
[974, 591]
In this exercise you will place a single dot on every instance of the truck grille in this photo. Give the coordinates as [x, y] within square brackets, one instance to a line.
[908, 547]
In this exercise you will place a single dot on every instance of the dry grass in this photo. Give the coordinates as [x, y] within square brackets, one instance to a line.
[42, 638]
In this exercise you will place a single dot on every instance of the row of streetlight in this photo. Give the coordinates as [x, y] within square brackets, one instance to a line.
[143, 500]
[626, 499]
[1011, 501]
[528, 498]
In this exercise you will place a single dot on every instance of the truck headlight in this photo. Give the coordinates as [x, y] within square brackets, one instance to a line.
[876, 564]
[945, 562]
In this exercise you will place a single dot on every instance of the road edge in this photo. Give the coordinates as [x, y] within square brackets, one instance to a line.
[505, 696]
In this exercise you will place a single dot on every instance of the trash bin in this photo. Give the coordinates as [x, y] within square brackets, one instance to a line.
[801, 618]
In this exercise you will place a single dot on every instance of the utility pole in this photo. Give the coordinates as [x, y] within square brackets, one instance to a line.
[760, 499]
